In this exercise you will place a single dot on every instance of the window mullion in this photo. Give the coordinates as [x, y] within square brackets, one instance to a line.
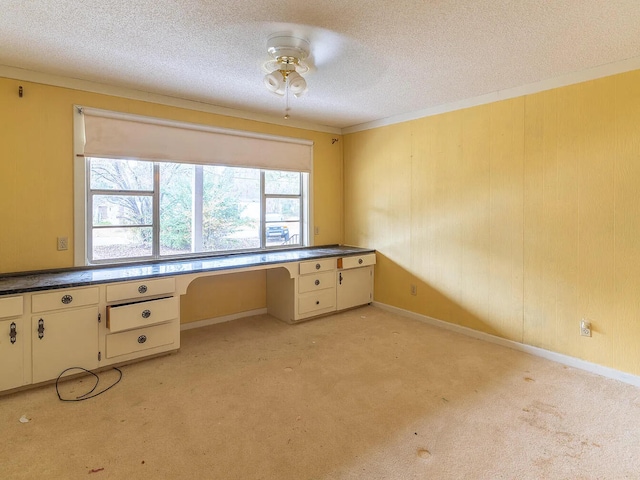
[155, 244]
[133, 193]
[263, 210]
[198, 217]
[89, 216]
[124, 225]
[302, 215]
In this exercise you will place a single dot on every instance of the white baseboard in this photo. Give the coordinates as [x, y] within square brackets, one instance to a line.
[226, 318]
[537, 351]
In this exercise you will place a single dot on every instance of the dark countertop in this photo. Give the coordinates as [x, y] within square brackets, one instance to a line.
[23, 282]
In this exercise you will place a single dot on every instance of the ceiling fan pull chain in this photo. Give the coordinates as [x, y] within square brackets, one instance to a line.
[286, 96]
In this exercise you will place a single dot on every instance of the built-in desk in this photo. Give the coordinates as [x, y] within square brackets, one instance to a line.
[93, 317]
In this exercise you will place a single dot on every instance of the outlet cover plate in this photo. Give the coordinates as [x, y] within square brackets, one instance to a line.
[585, 328]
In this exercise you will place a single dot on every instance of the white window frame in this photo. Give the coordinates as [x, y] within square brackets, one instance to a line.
[82, 208]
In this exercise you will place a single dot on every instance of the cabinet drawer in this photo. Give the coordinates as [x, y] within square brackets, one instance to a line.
[11, 307]
[317, 266]
[315, 301]
[357, 261]
[319, 281]
[141, 339]
[59, 299]
[140, 289]
[126, 317]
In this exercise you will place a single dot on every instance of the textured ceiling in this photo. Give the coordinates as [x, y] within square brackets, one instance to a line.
[373, 59]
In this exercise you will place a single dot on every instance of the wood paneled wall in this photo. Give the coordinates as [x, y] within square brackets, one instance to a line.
[517, 218]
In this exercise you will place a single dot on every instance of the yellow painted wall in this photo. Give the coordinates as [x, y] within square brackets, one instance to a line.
[220, 295]
[517, 218]
[36, 182]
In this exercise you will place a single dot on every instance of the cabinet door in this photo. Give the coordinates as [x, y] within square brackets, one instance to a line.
[62, 340]
[11, 353]
[354, 287]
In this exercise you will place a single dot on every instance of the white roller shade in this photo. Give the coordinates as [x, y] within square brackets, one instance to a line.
[116, 135]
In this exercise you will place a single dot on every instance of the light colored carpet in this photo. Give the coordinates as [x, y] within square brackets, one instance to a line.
[363, 394]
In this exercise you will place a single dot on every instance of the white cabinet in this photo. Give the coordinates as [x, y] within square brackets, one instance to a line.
[354, 285]
[45, 333]
[142, 328]
[316, 289]
[46, 330]
[311, 291]
[148, 325]
[320, 287]
[62, 340]
[12, 343]
[64, 333]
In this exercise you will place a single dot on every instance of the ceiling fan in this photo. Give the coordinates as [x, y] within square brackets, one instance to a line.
[287, 65]
[297, 51]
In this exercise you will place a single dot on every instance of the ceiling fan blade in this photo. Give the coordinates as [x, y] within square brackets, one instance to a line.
[326, 47]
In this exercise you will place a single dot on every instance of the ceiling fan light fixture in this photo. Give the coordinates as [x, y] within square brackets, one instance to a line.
[297, 84]
[274, 81]
[299, 94]
[288, 54]
[282, 90]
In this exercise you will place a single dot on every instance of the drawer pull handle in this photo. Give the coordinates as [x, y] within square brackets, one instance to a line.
[317, 282]
[66, 299]
[146, 313]
[142, 338]
[12, 332]
[317, 266]
[360, 261]
[142, 289]
[317, 302]
[40, 329]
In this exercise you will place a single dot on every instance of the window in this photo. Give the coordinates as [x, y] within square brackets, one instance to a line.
[149, 188]
[146, 210]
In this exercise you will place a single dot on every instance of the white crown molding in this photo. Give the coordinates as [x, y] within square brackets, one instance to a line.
[521, 347]
[133, 94]
[556, 82]
[94, 87]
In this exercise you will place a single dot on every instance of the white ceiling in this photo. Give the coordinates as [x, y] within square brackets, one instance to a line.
[375, 59]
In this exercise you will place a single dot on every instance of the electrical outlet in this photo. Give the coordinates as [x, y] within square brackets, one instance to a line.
[414, 290]
[63, 243]
[316, 231]
[585, 328]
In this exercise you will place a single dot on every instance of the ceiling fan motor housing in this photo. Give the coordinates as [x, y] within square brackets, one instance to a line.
[280, 45]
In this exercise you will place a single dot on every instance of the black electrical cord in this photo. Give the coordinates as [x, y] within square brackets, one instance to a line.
[86, 396]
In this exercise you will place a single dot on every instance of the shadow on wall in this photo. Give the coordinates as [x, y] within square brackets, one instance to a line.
[401, 288]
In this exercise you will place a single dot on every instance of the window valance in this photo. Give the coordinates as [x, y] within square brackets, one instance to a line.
[119, 135]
